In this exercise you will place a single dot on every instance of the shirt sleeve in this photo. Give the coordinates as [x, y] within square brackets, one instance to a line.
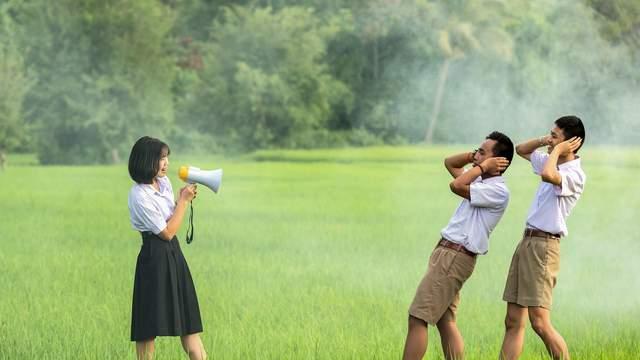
[146, 214]
[487, 195]
[538, 159]
[572, 183]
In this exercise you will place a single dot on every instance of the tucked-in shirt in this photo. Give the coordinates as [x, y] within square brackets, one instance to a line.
[553, 203]
[149, 208]
[475, 218]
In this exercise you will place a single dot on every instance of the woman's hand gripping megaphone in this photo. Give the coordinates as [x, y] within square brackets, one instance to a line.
[193, 175]
[209, 178]
[189, 192]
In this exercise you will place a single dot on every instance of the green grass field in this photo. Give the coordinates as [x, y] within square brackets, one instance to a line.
[306, 255]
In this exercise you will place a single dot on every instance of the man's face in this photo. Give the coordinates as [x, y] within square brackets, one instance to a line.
[484, 152]
[555, 138]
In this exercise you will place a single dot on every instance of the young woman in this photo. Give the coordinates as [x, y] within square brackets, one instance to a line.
[164, 297]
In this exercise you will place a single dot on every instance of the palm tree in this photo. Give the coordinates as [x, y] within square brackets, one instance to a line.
[469, 27]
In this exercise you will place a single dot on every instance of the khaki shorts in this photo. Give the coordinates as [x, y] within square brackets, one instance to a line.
[533, 272]
[438, 294]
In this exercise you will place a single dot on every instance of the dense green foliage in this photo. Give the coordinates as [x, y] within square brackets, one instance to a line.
[15, 84]
[306, 255]
[81, 80]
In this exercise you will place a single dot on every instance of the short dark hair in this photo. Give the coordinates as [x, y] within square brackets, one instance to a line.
[503, 146]
[571, 126]
[144, 159]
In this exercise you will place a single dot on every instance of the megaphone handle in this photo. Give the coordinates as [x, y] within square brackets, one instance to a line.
[190, 227]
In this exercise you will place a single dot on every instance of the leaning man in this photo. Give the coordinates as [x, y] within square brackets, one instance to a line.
[484, 200]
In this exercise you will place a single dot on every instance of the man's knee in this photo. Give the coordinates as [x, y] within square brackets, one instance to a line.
[415, 323]
[540, 325]
[446, 322]
[514, 321]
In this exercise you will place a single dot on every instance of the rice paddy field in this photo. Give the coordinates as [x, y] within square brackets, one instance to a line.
[306, 255]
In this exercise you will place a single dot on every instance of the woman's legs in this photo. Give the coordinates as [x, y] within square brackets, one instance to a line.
[145, 349]
[192, 345]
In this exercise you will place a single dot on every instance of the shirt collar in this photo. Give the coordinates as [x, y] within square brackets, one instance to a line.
[493, 179]
[149, 189]
[570, 164]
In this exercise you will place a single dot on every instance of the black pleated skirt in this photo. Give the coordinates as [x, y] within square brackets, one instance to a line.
[164, 297]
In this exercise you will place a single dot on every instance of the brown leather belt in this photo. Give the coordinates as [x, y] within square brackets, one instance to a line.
[528, 232]
[457, 247]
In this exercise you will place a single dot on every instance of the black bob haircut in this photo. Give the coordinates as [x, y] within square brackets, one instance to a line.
[571, 126]
[144, 159]
[503, 146]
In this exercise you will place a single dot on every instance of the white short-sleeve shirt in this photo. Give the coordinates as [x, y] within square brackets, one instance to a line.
[474, 219]
[552, 204]
[149, 208]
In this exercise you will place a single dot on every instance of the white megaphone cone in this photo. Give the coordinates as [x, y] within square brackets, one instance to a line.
[209, 178]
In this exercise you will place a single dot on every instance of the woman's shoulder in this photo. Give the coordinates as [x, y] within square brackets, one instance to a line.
[137, 191]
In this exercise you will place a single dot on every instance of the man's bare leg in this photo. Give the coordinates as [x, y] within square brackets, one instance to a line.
[416, 344]
[450, 337]
[541, 323]
[514, 323]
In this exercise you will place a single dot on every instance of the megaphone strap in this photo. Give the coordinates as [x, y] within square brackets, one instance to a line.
[190, 228]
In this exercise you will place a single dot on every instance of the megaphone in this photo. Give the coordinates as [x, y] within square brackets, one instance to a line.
[209, 178]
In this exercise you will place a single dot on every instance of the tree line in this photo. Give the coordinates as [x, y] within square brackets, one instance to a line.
[80, 80]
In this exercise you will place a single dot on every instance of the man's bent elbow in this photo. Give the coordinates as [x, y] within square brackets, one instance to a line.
[453, 186]
[550, 178]
[459, 189]
[520, 151]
